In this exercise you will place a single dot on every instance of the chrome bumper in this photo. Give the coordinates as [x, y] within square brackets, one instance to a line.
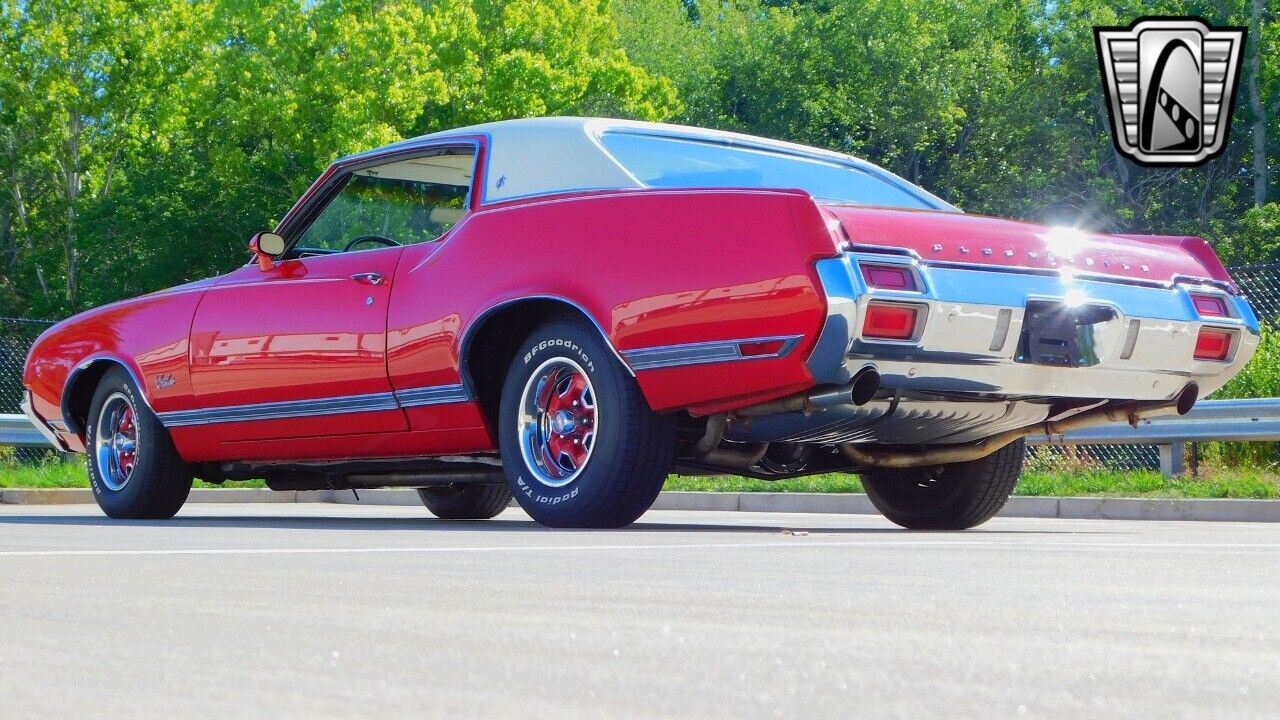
[39, 423]
[973, 321]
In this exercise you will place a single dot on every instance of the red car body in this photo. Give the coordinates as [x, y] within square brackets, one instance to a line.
[218, 346]
[382, 347]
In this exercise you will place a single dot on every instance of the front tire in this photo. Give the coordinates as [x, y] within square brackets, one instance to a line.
[579, 444]
[466, 502]
[957, 496]
[134, 470]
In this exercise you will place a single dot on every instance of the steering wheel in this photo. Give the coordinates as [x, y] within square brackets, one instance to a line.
[371, 239]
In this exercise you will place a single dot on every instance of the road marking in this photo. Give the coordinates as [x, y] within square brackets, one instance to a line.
[672, 546]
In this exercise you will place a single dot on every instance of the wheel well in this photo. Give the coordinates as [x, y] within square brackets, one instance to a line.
[489, 348]
[78, 394]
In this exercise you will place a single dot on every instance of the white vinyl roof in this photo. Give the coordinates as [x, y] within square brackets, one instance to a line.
[539, 156]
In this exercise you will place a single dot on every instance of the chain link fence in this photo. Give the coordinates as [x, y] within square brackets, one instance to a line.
[1080, 458]
[1260, 282]
[16, 336]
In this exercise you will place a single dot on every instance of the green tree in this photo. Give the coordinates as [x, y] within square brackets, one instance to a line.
[143, 141]
[523, 58]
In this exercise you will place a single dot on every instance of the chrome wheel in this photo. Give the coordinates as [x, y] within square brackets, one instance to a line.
[557, 422]
[116, 441]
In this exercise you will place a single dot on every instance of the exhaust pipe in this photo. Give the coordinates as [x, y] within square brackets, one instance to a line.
[426, 479]
[858, 391]
[738, 456]
[733, 457]
[944, 455]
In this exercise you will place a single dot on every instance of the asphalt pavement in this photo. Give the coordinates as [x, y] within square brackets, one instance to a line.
[317, 611]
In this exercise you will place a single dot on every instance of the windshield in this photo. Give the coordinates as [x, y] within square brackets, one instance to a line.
[665, 162]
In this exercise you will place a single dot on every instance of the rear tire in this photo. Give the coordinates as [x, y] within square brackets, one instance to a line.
[579, 444]
[957, 496]
[134, 470]
[466, 502]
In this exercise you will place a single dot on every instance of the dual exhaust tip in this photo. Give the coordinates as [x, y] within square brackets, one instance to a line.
[858, 391]
[1187, 398]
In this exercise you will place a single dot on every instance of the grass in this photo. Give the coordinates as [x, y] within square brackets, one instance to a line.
[1213, 482]
[1225, 483]
[56, 474]
[42, 475]
[829, 483]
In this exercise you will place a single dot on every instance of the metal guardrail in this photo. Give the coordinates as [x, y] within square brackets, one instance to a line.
[1252, 420]
[1249, 420]
[17, 431]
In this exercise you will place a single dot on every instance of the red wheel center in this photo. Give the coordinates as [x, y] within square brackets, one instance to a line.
[126, 452]
[569, 416]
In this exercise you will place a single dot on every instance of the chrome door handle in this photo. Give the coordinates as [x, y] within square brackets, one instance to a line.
[370, 278]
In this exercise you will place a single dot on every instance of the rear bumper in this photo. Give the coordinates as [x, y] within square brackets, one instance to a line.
[967, 341]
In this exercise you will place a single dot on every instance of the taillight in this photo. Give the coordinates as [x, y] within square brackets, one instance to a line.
[1212, 344]
[1210, 305]
[888, 277]
[889, 322]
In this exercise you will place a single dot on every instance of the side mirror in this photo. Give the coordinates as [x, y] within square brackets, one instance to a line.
[266, 246]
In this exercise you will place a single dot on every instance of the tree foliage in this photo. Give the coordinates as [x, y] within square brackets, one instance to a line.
[996, 106]
[143, 141]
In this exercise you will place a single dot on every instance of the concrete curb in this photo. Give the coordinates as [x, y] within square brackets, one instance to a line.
[1079, 508]
[43, 496]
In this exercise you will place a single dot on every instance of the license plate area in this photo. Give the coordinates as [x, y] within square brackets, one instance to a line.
[1056, 334]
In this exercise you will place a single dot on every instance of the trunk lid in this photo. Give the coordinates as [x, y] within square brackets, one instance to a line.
[947, 237]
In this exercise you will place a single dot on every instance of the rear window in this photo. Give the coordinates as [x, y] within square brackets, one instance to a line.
[663, 162]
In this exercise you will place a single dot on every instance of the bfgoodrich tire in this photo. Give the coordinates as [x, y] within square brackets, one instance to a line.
[134, 470]
[946, 497]
[466, 502]
[579, 444]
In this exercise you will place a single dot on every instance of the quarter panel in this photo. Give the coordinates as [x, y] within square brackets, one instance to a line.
[652, 268]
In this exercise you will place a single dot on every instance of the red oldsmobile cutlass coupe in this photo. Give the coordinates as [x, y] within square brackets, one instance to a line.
[568, 309]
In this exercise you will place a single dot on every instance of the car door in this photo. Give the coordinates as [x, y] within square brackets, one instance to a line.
[298, 350]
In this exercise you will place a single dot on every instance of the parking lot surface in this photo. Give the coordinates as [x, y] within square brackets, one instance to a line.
[313, 611]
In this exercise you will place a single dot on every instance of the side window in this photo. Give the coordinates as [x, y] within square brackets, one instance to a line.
[405, 202]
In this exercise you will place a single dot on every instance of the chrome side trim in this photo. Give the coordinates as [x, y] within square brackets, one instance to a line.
[433, 395]
[664, 356]
[339, 405]
[278, 410]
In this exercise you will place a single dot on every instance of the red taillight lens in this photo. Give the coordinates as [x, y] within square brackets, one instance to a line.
[889, 322]
[889, 277]
[1212, 344]
[758, 349]
[1210, 305]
